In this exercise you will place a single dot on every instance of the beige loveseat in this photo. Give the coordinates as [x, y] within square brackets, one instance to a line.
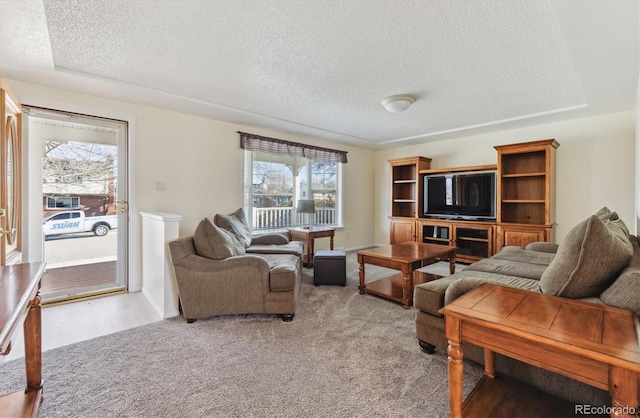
[598, 262]
[222, 269]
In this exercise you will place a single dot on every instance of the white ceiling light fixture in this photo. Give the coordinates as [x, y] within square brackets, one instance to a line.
[397, 103]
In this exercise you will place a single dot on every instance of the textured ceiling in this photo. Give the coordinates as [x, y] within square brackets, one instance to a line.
[321, 68]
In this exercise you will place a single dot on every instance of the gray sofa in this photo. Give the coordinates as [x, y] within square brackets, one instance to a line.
[222, 270]
[598, 262]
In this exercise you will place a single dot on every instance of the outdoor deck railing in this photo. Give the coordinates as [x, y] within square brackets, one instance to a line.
[284, 217]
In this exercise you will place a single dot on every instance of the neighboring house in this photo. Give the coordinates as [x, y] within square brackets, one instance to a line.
[93, 193]
[94, 198]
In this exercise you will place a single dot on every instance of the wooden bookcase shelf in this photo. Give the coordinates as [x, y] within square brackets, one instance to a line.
[525, 192]
[406, 196]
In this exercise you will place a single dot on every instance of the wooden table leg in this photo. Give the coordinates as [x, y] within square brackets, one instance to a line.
[623, 388]
[489, 363]
[452, 262]
[33, 345]
[331, 242]
[456, 367]
[310, 250]
[407, 286]
[361, 287]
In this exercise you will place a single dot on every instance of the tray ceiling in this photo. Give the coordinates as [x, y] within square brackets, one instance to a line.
[321, 68]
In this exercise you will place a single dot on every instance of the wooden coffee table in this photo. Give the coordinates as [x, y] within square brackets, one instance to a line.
[594, 344]
[406, 257]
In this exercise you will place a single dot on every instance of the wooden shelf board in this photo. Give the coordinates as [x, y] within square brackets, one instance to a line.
[410, 181]
[516, 175]
[21, 403]
[488, 167]
[503, 397]
[523, 201]
[404, 201]
[437, 239]
[388, 288]
[472, 239]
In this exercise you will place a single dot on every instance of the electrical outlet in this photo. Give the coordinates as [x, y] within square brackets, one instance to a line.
[160, 186]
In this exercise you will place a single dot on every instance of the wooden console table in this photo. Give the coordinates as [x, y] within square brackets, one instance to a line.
[308, 235]
[406, 257]
[594, 344]
[20, 304]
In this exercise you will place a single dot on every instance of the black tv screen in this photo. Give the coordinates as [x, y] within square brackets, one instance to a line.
[464, 195]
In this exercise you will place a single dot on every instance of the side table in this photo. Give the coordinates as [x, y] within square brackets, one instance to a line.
[308, 235]
[594, 344]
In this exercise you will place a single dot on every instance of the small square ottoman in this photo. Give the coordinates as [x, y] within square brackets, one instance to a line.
[330, 267]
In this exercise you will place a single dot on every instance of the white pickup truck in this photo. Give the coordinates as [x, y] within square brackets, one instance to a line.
[74, 221]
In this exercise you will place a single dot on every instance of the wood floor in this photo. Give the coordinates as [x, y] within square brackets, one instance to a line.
[80, 320]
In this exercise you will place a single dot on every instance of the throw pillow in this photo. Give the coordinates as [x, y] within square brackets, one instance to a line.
[236, 223]
[615, 224]
[604, 213]
[587, 260]
[215, 243]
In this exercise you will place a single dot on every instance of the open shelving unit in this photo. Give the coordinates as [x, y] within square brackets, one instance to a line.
[525, 192]
[406, 186]
[406, 196]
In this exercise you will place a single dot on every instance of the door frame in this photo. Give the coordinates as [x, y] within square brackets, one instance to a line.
[32, 208]
[10, 109]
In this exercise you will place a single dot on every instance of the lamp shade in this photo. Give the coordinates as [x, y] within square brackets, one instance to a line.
[398, 103]
[306, 206]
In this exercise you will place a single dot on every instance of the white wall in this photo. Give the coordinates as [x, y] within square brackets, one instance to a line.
[201, 162]
[595, 166]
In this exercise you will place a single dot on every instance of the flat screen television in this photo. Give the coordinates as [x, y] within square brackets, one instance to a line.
[460, 195]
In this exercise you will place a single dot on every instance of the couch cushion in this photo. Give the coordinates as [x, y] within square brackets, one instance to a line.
[625, 291]
[285, 269]
[293, 247]
[429, 297]
[512, 253]
[469, 280]
[509, 268]
[236, 223]
[215, 243]
[586, 263]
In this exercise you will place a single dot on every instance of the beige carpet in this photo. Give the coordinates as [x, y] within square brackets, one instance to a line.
[344, 355]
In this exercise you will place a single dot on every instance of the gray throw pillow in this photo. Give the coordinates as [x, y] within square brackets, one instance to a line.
[587, 261]
[215, 243]
[604, 213]
[236, 223]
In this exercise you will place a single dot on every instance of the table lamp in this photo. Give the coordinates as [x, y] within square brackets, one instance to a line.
[306, 207]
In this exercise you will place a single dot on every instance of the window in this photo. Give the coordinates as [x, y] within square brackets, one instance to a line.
[63, 202]
[276, 180]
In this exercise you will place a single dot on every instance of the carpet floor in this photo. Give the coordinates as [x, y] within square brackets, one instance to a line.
[344, 354]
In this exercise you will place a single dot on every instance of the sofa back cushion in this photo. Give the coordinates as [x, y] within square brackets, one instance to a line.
[625, 291]
[237, 224]
[215, 243]
[586, 263]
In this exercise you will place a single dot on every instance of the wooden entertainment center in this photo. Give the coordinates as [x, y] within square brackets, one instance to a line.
[525, 210]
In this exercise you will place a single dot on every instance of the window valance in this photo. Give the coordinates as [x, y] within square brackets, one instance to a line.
[275, 146]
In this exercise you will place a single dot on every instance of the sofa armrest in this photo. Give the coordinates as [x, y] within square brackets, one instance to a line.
[214, 287]
[270, 239]
[543, 247]
[201, 264]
